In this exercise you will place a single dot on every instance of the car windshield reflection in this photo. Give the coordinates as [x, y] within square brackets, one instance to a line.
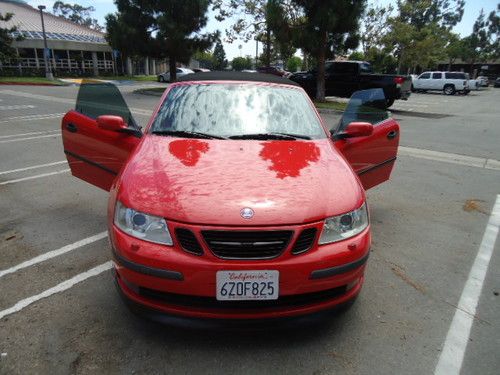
[239, 111]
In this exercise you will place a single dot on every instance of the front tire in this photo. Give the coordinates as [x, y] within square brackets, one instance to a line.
[449, 90]
[389, 102]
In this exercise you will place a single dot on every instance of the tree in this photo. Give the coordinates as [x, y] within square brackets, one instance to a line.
[241, 63]
[293, 64]
[220, 61]
[160, 28]
[249, 21]
[6, 38]
[77, 14]
[454, 49]
[205, 58]
[357, 55]
[322, 28]
[375, 26]
[417, 33]
[421, 13]
[252, 22]
[494, 32]
[483, 43]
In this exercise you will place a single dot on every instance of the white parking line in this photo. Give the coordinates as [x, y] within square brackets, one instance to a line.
[138, 111]
[32, 133]
[54, 253]
[452, 356]
[33, 177]
[32, 117]
[33, 167]
[11, 107]
[37, 96]
[61, 287]
[29, 138]
[446, 157]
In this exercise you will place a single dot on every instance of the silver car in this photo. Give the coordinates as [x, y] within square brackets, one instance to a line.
[165, 77]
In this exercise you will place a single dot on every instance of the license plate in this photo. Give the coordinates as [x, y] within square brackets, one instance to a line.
[247, 285]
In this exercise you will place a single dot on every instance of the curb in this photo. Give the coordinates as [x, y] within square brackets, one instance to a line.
[31, 84]
[328, 111]
[148, 92]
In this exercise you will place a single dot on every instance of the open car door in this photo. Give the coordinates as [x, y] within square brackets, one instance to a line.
[372, 157]
[96, 153]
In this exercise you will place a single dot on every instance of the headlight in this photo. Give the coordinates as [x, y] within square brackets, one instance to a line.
[143, 226]
[338, 228]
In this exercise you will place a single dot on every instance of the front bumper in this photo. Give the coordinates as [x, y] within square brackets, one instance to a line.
[171, 281]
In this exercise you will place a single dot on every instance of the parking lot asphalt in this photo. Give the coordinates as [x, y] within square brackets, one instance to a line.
[60, 313]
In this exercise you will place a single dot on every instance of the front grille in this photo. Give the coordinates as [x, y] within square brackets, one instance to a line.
[247, 244]
[188, 241]
[211, 302]
[305, 241]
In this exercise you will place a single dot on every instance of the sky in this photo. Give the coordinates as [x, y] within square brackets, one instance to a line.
[103, 7]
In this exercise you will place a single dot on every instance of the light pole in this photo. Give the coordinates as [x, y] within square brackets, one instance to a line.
[48, 72]
[256, 52]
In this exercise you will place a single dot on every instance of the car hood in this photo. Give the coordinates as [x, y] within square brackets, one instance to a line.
[210, 181]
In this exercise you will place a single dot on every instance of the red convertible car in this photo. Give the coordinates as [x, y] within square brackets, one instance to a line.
[236, 201]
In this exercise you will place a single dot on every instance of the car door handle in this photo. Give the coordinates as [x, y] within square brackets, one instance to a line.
[71, 128]
[392, 134]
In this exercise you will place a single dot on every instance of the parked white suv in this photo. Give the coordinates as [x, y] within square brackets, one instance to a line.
[447, 82]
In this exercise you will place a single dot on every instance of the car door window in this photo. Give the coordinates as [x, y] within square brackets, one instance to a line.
[345, 68]
[365, 106]
[425, 76]
[365, 68]
[178, 70]
[102, 98]
[329, 67]
[436, 75]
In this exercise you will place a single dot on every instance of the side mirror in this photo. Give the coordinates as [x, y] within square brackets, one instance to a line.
[356, 129]
[112, 123]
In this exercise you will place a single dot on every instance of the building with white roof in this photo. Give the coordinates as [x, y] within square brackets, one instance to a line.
[73, 48]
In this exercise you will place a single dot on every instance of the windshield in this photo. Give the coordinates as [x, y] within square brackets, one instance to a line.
[231, 110]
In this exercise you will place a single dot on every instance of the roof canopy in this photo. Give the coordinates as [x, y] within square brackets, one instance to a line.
[29, 25]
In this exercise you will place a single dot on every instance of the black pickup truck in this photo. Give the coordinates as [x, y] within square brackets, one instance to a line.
[343, 78]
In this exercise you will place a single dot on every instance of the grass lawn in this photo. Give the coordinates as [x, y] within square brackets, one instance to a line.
[337, 106]
[30, 80]
[154, 91]
[128, 78]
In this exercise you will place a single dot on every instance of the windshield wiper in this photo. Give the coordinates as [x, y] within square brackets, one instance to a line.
[264, 136]
[300, 136]
[186, 134]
